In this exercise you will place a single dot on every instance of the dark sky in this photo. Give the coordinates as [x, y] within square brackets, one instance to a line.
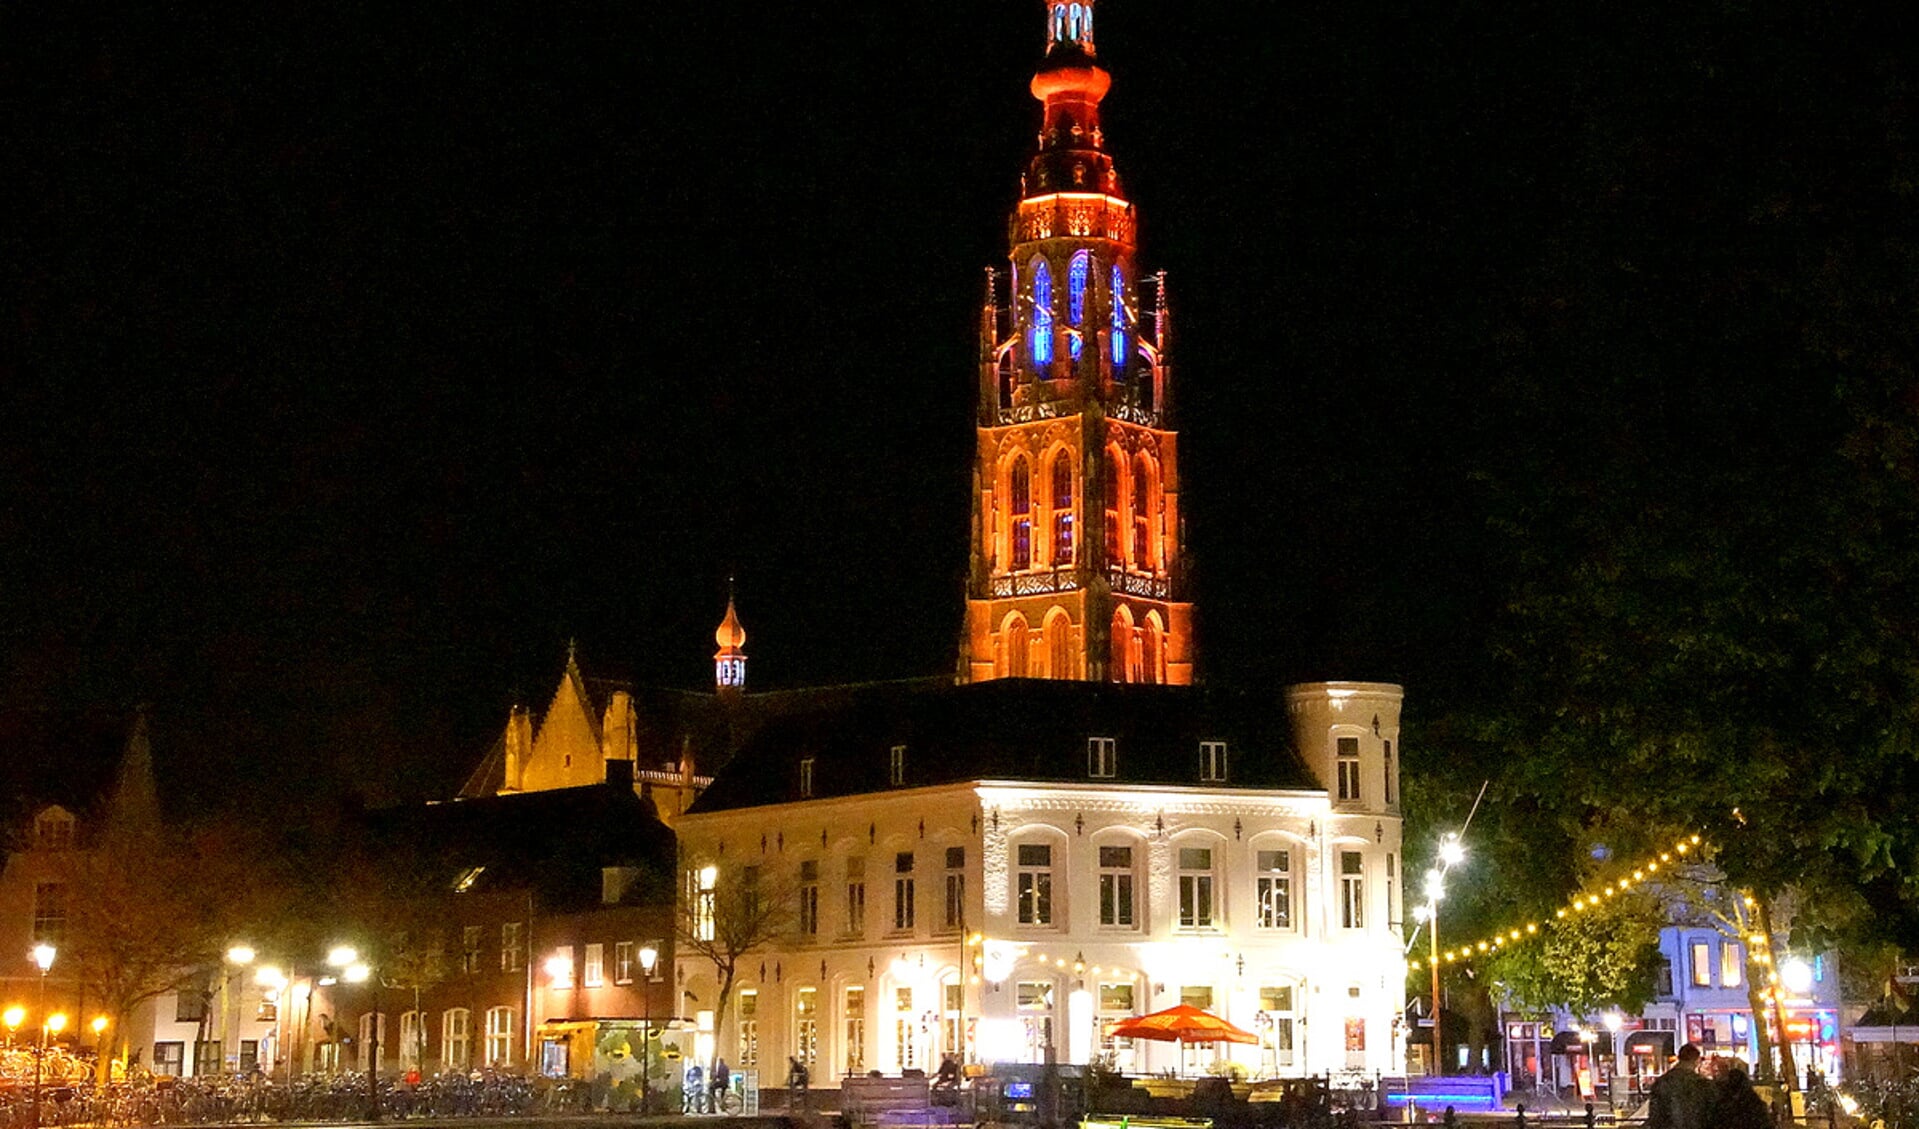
[362, 355]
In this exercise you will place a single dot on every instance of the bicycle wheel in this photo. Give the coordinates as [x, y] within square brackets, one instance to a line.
[731, 1104]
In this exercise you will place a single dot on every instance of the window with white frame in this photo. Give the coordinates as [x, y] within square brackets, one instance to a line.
[559, 967]
[1212, 761]
[1347, 768]
[749, 1011]
[809, 899]
[954, 918]
[1273, 888]
[594, 974]
[1102, 757]
[1196, 887]
[1392, 891]
[623, 962]
[1352, 890]
[855, 897]
[472, 937]
[1276, 1022]
[903, 892]
[412, 1039]
[372, 1031]
[896, 769]
[1702, 963]
[499, 1036]
[1116, 886]
[510, 951]
[854, 1011]
[1034, 883]
[806, 1026]
[701, 891]
[455, 1033]
[905, 1029]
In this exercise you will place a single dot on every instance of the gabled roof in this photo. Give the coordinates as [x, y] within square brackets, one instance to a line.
[66, 757]
[1011, 729]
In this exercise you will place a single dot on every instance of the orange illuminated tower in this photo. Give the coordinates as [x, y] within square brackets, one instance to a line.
[1077, 569]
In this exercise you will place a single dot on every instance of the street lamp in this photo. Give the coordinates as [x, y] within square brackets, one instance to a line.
[355, 971]
[43, 955]
[1590, 1038]
[649, 956]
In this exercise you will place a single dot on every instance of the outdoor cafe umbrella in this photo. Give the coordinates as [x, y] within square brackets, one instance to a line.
[1181, 1024]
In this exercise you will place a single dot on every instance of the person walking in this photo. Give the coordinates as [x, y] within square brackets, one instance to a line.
[1737, 1105]
[722, 1078]
[1681, 1099]
[796, 1079]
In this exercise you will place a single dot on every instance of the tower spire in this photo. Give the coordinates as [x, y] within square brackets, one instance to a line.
[729, 662]
[1078, 569]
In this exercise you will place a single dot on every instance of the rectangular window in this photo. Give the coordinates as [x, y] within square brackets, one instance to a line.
[1035, 880]
[809, 907]
[1352, 890]
[1102, 757]
[1662, 977]
[1348, 768]
[855, 897]
[1392, 891]
[750, 1027]
[1116, 886]
[1389, 772]
[896, 772]
[471, 940]
[806, 778]
[905, 1029]
[623, 962]
[412, 1039]
[1732, 965]
[855, 1012]
[190, 1002]
[903, 892]
[1035, 995]
[169, 1058]
[1274, 889]
[560, 966]
[249, 1055]
[952, 1007]
[1195, 887]
[1199, 996]
[1702, 964]
[206, 1057]
[702, 895]
[499, 1036]
[1212, 761]
[510, 956]
[806, 1026]
[594, 974]
[955, 916]
[49, 911]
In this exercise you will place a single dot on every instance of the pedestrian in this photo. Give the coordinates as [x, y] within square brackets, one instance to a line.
[722, 1078]
[1738, 1105]
[796, 1079]
[1681, 1099]
[693, 1088]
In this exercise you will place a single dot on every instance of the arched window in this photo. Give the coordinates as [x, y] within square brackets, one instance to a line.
[1072, 24]
[1013, 647]
[1120, 646]
[1042, 327]
[1022, 512]
[1142, 516]
[1059, 22]
[1109, 486]
[1059, 645]
[1062, 510]
[1076, 274]
[1119, 319]
[1152, 648]
[1006, 382]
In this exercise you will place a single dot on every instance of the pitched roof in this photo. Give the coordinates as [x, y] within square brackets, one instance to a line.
[1011, 729]
[66, 757]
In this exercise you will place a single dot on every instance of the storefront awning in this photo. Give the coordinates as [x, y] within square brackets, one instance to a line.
[1567, 1043]
[1658, 1043]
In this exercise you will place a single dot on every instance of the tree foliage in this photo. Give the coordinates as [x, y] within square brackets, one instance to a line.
[1587, 962]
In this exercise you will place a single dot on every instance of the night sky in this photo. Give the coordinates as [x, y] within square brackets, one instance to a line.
[363, 355]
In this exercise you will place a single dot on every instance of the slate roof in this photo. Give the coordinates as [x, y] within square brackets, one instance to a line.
[1011, 729]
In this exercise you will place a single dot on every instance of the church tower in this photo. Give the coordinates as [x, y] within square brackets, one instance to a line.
[1077, 569]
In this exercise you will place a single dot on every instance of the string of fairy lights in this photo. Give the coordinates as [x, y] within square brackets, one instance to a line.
[1642, 873]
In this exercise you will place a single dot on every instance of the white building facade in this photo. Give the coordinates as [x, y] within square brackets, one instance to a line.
[1005, 918]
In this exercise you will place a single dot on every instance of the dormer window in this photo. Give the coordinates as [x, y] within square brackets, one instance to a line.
[1212, 761]
[1102, 758]
[53, 831]
[896, 770]
[806, 778]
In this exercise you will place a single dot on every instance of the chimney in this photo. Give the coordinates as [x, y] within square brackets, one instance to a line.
[619, 772]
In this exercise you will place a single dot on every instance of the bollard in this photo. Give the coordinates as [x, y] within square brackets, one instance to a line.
[1450, 1121]
[1591, 1118]
[1519, 1122]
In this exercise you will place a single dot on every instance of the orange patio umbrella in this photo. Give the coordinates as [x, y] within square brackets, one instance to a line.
[1182, 1024]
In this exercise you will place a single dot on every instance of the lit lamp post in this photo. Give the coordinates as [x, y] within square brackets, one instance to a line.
[271, 979]
[43, 955]
[1615, 1023]
[649, 956]
[1591, 1039]
[355, 971]
[1451, 853]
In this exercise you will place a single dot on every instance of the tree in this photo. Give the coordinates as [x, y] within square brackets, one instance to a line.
[1586, 962]
[727, 914]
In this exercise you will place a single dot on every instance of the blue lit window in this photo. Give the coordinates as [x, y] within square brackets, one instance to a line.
[1076, 294]
[1072, 25]
[1119, 318]
[1059, 23]
[1042, 343]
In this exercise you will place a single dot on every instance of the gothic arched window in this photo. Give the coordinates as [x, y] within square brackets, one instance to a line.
[1062, 510]
[1142, 516]
[1109, 487]
[1119, 318]
[1042, 329]
[1059, 645]
[1076, 275]
[1059, 22]
[1013, 646]
[1021, 508]
[1153, 648]
[1119, 646]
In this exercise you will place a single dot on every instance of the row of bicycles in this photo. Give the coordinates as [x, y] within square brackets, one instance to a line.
[329, 1097]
